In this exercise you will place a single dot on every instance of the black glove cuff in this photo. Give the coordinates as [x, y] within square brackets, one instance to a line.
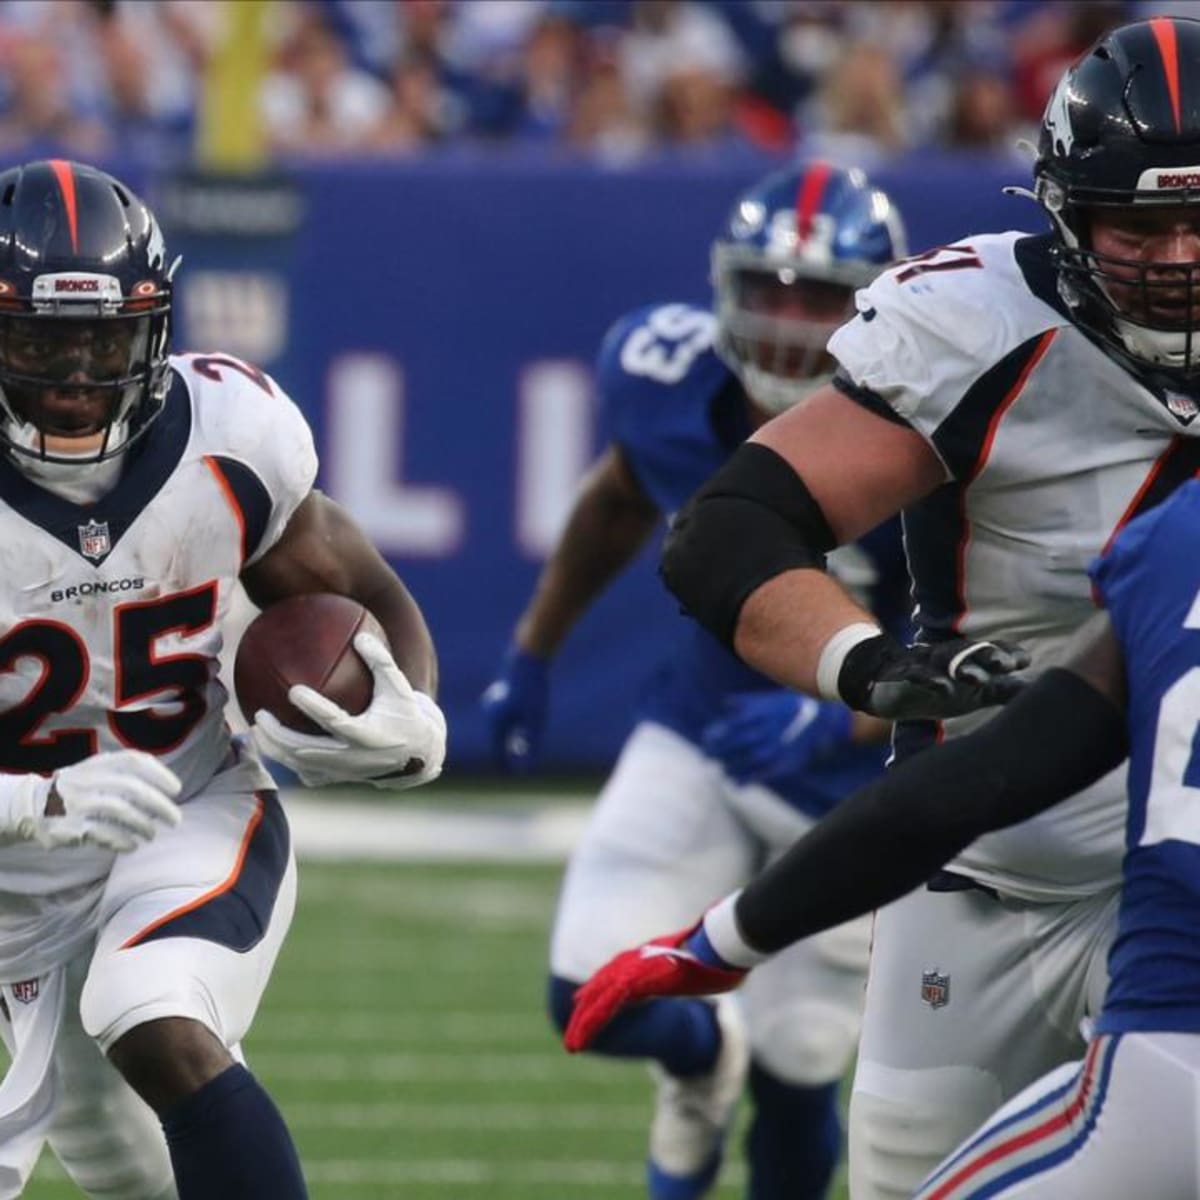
[862, 666]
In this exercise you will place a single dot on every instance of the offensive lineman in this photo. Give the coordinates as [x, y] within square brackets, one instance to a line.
[719, 771]
[146, 873]
[1021, 399]
[1121, 1123]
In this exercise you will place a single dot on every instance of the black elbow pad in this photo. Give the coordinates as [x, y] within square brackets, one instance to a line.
[753, 520]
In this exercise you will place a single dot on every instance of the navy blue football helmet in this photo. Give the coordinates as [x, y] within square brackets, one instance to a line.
[85, 314]
[785, 268]
[1122, 131]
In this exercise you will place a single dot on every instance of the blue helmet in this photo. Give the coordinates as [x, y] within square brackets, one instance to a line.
[785, 268]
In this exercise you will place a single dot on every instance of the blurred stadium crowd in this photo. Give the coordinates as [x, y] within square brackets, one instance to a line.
[619, 79]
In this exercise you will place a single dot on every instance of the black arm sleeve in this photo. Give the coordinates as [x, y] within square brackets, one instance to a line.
[753, 520]
[1054, 739]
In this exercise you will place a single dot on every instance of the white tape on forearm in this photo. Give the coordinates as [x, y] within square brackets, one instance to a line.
[721, 928]
[829, 665]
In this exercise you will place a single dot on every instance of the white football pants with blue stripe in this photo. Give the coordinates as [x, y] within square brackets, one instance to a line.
[1118, 1125]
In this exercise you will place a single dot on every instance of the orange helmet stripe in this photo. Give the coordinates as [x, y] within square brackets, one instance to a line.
[1164, 35]
[66, 185]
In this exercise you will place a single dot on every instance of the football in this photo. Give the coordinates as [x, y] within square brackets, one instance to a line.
[304, 639]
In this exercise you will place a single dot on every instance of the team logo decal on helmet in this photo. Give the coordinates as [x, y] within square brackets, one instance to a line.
[85, 314]
[784, 271]
[1120, 132]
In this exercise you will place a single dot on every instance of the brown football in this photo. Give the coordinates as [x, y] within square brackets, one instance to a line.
[304, 639]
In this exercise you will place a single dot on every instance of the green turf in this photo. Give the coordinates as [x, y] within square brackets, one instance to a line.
[403, 1037]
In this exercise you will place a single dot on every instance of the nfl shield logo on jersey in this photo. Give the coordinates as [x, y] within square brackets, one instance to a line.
[93, 539]
[1183, 408]
[26, 991]
[935, 989]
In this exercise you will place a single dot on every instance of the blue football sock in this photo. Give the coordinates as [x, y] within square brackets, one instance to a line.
[794, 1140]
[228, 1140]
[681, 1034]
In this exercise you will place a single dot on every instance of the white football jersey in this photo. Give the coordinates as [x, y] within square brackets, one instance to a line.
[1049, 447]
[112, 613]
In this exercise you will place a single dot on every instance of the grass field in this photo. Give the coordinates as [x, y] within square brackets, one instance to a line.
[403, 1036]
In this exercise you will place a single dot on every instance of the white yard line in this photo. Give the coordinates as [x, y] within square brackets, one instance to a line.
[464, 1172]
[342, 829]
[511, 1118]
[332, 1067]
[313, 1026]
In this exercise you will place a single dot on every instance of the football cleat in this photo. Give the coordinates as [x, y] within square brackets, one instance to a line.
[692, 1115]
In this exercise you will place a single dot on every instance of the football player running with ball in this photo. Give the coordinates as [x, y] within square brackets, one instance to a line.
[146, 873]
[1021, 399]
[1122, 1122]
[722, 769]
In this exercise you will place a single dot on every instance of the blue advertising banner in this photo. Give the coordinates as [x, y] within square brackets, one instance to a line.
[437, 323]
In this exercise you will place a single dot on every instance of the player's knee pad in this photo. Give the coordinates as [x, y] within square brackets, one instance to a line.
[904, 1123]
[560, 997]
[126, 990]
[805, 1042]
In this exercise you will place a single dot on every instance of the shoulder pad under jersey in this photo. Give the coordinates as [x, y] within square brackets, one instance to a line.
[242, 415]
[932, 325]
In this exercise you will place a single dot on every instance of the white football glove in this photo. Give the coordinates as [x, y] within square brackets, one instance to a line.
[398, 741]
[117, 800]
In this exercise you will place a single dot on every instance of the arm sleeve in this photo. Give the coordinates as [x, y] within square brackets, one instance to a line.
[890, 836]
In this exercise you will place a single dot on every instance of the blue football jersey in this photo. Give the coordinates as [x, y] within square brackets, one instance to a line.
[1149, 582]
[677, 412]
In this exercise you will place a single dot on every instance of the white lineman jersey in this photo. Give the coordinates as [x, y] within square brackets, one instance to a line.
[111, 613]
[1049, 447]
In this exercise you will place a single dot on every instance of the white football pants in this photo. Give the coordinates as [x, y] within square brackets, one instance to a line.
[189, 925]
[969, 1000]
[1120, 1124]
[671, 834]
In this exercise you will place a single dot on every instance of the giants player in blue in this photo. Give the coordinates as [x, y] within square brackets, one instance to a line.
[1121, 1123]
[723, 769]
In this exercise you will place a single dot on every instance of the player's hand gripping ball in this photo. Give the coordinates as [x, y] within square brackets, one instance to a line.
[329, 701]
[305, 640]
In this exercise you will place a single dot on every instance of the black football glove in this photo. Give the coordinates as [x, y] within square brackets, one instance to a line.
[898, 683]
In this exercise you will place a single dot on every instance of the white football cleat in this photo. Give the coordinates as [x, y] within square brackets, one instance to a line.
[692, 1115]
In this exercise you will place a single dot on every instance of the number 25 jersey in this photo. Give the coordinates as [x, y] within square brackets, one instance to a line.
[112, 612]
